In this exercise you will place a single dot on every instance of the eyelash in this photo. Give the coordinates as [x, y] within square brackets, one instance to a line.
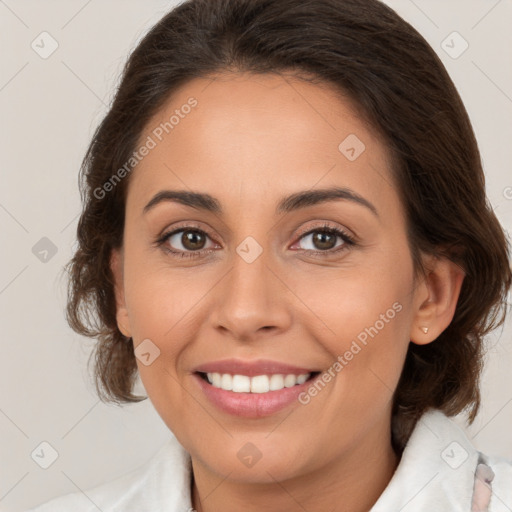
[326, 228]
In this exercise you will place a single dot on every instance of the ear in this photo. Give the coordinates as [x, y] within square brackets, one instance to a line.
[116, 265]
[435, 299]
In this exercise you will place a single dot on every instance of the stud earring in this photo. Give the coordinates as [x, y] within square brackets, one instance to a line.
[424, 329]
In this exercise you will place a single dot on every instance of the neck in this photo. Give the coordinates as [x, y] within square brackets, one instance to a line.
[354, 480]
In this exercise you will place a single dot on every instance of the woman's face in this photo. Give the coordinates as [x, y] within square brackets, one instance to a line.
[291, 259]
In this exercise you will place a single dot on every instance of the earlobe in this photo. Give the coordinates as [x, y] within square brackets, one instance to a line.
[437, 298]
[116, 266]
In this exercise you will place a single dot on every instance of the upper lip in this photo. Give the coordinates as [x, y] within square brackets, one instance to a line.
[251, 368]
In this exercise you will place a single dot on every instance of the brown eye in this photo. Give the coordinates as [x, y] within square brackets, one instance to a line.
[186, 242]
[324, 239]
[192, 240]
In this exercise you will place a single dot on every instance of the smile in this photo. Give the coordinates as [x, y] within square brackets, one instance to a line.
[256, 384]
[253, 389]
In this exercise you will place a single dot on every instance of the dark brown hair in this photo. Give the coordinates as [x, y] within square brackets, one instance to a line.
[400, 87]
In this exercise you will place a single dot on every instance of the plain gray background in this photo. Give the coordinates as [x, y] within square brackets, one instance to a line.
[49, 108]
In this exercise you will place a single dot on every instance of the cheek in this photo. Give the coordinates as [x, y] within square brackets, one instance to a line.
[167, 307]
[160, 301]
[359, 303]
[363, 320]
[371, 339]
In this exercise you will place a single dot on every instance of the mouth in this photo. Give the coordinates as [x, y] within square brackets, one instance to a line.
[239, 383]
[254, 396]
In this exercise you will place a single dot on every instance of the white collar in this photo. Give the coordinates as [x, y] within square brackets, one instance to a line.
[436, 473]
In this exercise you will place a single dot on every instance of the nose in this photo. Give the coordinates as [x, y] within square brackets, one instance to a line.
[252, 301]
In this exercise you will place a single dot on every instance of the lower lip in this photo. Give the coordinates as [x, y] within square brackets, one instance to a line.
[253, 405]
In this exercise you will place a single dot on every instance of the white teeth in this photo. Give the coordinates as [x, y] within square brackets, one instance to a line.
[241, 384]
[289, 381]
[257, 384]
[276, 382]
[216, 380]
[260, 384]
[226, 382]
[302, 378]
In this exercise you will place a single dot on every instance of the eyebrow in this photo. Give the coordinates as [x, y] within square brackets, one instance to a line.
[295, 201]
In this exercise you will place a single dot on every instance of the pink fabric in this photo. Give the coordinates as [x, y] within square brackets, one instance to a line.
[482, 489]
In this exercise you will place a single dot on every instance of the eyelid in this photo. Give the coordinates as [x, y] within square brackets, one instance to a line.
[166, 234]
[325, 225]
[183, 227]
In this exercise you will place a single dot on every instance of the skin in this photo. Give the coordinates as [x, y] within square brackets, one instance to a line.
[251, 140]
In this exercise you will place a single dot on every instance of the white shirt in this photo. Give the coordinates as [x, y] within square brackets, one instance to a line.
[440, 471]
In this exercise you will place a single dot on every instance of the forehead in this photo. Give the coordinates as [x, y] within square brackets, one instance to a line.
[260, 136]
